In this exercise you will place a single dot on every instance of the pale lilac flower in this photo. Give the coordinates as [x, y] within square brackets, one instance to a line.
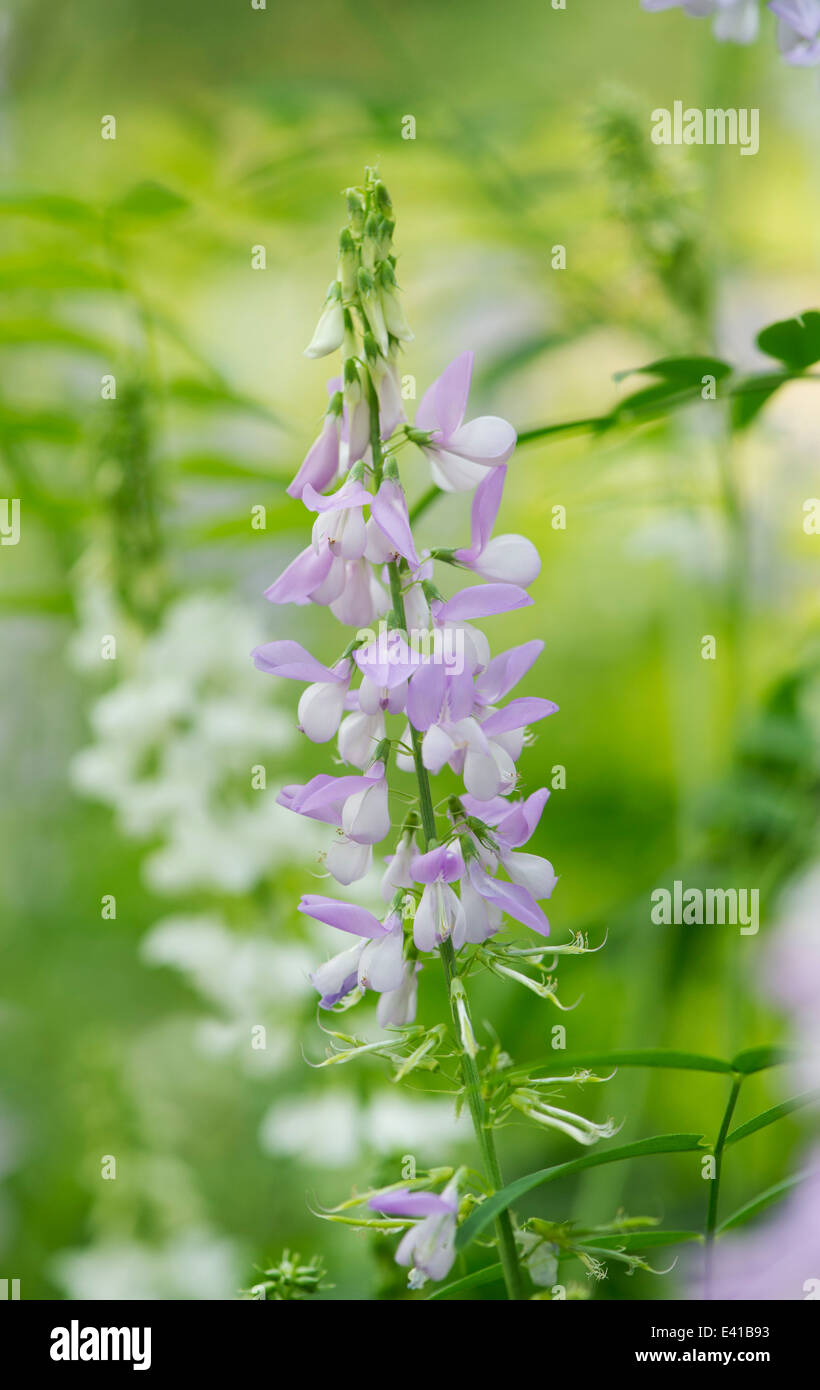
[361, 598]
[330, 329]
[322, 704]
[347, 917]
[375, 963]
[359, 736]
[798, 30]
[398, 873]
[460, 453]
[321, 463]
[340, 524]
[430, 1246]
[736, 20]
[366, 815]
[324, 797]
[397, 1007]
[347, 860]
[511, 898]
[509, 558]
[440, 914]
[389, 512]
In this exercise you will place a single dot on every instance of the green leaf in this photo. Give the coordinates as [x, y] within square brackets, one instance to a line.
[793, 341]
[683, 371]
[759, 1203]
[630, 1057]
[754, 1059]
[770, 1117]
[499, 1201]
[492, 1274]
[149, 199]
[751, 394]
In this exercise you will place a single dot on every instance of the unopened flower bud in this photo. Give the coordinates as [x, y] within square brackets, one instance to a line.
[329, 332]
[347, 265]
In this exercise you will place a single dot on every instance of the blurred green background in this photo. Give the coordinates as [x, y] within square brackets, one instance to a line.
[128, 1036]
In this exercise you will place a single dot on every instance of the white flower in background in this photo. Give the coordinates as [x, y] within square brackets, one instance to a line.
[174, 747]
[194, 1265]
[251, 981]
[337, 1129]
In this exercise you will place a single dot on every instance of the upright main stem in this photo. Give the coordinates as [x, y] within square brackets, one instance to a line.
[714, 1191]
[472, 1081]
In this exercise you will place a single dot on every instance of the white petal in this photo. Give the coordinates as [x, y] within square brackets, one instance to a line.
[320, 710]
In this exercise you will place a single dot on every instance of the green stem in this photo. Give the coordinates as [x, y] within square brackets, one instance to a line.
[472, 1080]
[714, 1190]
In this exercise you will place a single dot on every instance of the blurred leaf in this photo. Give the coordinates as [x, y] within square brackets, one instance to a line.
[655, 401]
[499, 1201]
[591, 423]
[759, 1203]
[228, 528]
[683, 371]
[39, 424]
[51, 333]
[214, 395]
[35, 273]
[48, 206]
[754, 1059]
[222, 468]
[645, 1240]
[793, 341]
[635, 1057]
[751, 394]
[492, 1274]
[770, 1117]
[49, 601]
[148, 200]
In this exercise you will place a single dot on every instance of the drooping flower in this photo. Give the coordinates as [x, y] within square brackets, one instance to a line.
[321, 462]
[440, 914]
[322, 704]
[460, 453]
[508, 559]
[429, 1247]
[329, 333]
